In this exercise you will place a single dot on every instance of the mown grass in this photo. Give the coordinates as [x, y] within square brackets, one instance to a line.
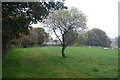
[46, 62]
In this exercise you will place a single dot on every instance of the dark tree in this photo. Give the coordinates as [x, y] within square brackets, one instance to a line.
[97, 37]
[17, 16]
[42, 35]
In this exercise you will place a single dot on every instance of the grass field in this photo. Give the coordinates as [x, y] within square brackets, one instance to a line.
[46, 62]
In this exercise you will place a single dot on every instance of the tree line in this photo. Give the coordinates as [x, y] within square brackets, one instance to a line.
[70, 23]
[18, 16]
[35, 36]
[93, 37]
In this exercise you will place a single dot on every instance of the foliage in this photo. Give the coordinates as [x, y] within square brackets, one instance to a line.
[42, 35]
[33, 36]
[37, 35]
[97, 37]
[82, 39]
[17, 16]
[65, 21]
[24, 40]
[70, 37]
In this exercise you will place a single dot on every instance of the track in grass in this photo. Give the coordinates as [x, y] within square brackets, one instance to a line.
[46, 62]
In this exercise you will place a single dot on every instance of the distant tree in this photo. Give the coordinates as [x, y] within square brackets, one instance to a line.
[97, 37]
[82, 39]
[33, 36]
[26, 40]
[66, 22]
[42, 35]
[37, 35]
[23, 40]
[70, 37]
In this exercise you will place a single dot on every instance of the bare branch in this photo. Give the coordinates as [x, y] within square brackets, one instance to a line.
[57, 35]
[61, 30]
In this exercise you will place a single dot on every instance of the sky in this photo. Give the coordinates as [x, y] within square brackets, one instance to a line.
[102, 14]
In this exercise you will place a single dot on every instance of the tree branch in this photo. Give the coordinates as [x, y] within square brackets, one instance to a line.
[57, 35]
[60, 30]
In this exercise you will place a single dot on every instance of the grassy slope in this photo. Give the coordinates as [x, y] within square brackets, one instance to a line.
[46, 62]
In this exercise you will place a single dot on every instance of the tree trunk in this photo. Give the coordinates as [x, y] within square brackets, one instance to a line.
[63, 54]
[63, 46]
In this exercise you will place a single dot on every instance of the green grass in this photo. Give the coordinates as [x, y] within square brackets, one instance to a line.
[46, 62]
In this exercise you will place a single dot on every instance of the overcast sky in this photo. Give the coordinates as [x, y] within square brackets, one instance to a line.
[102, 14]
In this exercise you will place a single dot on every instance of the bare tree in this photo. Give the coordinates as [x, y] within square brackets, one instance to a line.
[65, 22]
